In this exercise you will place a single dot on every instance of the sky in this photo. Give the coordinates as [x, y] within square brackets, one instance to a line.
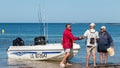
[61, 11]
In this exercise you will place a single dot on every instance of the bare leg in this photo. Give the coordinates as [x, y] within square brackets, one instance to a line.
[101, 56]
[87, 59]
[105, 58]
[94, 58]
[66, 56]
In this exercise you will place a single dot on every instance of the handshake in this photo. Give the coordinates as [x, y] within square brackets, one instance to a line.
[81, 37]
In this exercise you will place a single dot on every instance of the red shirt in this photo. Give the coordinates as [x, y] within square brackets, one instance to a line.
[68, 39]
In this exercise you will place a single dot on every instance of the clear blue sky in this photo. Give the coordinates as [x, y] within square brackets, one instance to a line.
[60, 10]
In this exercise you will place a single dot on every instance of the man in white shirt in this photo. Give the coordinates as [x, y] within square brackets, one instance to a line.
[91, 43]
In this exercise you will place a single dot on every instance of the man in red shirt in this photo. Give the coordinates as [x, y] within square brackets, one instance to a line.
[67, 42]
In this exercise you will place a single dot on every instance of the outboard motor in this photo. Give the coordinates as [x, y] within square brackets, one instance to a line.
[40, 40]
[18, 42]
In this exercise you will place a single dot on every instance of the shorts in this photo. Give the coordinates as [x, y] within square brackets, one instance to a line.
[90, 49]
[68, 50]
[103, 51]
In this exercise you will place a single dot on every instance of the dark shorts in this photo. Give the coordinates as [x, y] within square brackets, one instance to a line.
[101, 50]
[104, 51]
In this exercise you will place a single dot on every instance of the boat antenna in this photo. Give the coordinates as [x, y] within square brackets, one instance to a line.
[43, 24]
[40, 21]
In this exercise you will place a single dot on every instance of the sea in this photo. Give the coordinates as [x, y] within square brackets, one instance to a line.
[53, 33]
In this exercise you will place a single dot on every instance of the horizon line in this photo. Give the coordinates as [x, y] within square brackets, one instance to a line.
[60, 22]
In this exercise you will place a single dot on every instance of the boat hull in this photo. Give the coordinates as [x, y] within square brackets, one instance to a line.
[39, 52]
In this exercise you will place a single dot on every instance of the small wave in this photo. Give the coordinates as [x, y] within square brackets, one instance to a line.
[116, 39]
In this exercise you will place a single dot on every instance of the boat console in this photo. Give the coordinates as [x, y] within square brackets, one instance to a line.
[41, 40]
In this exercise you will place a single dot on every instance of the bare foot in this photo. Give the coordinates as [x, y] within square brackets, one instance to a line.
[62, 65]
[95, 66]
[86, 66]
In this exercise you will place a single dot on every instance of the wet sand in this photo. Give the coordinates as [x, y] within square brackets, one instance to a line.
[51, 64]
[98, 66]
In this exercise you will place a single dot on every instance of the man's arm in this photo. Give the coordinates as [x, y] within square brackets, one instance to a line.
[70, 35]
[97, 37]
[110, 40]
[84, 36]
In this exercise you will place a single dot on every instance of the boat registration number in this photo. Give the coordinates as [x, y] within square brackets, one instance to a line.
[38, 55]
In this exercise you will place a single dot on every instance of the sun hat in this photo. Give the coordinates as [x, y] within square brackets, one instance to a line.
[103, 27]
[110, 51]
[92, 24]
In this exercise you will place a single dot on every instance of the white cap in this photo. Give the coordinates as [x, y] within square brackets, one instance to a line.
[103, 27]
[92, 24]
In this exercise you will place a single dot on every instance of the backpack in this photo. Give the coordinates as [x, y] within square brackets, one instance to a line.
[92, 38]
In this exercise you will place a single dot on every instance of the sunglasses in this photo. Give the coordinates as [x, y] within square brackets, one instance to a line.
[101, 29]
[69, 26]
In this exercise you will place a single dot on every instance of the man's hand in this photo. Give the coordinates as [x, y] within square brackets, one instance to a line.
[81, 37]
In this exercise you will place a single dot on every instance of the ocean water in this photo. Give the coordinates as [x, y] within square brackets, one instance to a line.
[28, 31]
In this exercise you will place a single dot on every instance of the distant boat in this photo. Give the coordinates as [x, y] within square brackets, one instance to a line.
[41, 50]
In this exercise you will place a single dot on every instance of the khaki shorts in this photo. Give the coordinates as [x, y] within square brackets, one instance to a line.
[68, 50]
[90, 49]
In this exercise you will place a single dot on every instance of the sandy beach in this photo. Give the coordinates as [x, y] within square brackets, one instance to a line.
[12, 63]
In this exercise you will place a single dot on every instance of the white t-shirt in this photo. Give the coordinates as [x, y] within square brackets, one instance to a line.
[91, 33]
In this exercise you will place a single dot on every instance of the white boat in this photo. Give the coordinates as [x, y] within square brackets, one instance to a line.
[39, 52]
